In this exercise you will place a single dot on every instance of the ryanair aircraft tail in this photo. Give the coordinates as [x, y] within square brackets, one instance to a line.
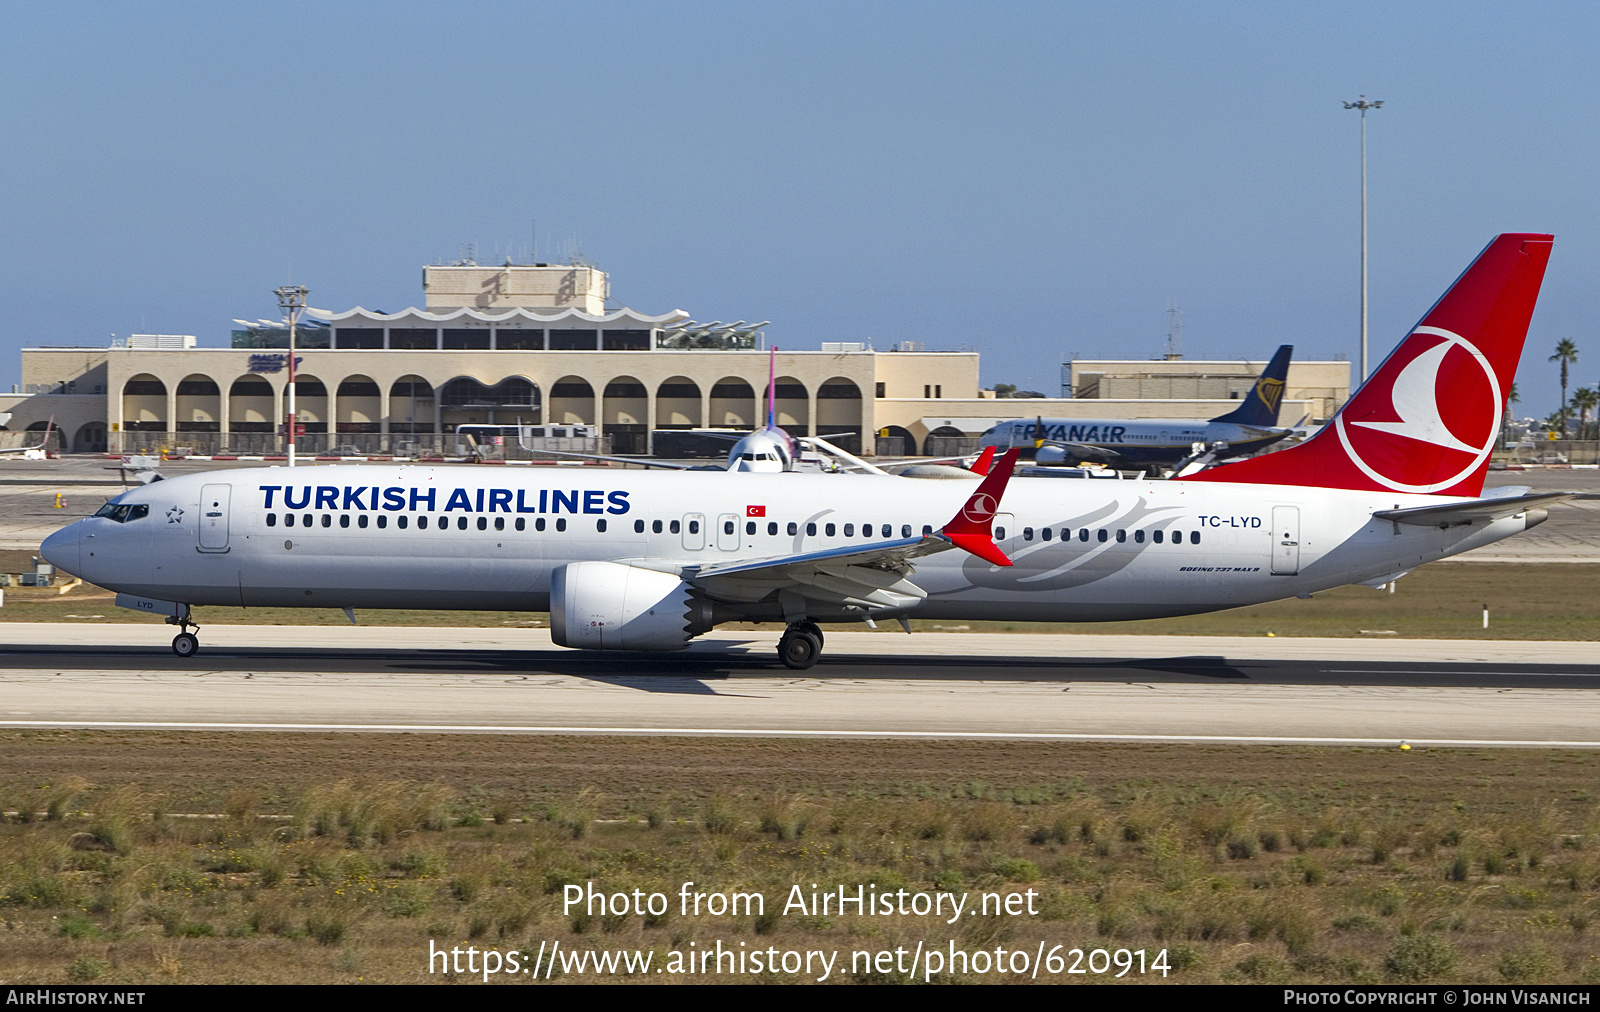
[1260, 406]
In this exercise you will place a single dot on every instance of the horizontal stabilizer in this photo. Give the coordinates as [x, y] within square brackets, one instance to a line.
[1477, 510]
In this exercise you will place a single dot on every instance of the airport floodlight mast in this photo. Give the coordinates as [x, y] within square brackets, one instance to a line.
[1363, 105]
[292, 300]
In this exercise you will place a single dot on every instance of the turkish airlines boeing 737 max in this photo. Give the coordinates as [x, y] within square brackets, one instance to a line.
[638, 560]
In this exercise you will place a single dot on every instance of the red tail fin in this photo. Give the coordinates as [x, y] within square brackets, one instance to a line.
[972, 527]
[1427, 419]
[984, 461]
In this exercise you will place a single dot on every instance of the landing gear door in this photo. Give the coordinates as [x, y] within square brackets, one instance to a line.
[1285, 540]
[694, 532]
[214, 511]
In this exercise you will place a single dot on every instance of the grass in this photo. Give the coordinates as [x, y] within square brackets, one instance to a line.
[1443, 601]
[239, 859]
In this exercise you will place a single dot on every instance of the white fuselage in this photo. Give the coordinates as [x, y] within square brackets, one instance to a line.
[448, 538]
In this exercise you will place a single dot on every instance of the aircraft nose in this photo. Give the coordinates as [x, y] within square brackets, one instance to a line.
[64, 549]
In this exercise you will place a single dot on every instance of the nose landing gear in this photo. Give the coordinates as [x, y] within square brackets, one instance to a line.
[800, 646]
[186, 644]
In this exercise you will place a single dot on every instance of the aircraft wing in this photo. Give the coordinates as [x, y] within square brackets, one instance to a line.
[640, 461]
[872, 575]
[1084, 451]
[818, 443]
[1490, 508]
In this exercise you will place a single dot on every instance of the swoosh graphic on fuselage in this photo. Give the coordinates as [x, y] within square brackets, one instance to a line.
[1040, 567]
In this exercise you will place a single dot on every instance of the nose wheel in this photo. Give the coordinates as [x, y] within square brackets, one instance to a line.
[800, 646]
[186, 644]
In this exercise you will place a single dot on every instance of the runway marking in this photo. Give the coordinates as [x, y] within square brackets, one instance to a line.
[727, 732]
[1469, 671]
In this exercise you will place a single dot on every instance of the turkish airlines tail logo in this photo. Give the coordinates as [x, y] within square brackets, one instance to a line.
[1427, 419]
[1403, 441]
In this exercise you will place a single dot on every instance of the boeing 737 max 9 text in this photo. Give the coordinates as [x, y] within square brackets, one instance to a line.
[635, 560]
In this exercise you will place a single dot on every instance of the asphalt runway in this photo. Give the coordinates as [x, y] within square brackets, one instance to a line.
[1105, 688]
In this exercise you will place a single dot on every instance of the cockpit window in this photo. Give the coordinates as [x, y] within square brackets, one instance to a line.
[123, 513]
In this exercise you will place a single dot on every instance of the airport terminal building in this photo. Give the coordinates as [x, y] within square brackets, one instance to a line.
[535, 344]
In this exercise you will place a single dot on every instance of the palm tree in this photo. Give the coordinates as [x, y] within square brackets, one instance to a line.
[1586, 399]
[1566, 354]
[1505, 416]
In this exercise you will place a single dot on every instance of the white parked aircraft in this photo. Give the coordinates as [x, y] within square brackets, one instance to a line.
[636, 560]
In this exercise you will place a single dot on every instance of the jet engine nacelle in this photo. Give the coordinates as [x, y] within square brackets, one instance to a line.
[610, 606]
[1051, 455]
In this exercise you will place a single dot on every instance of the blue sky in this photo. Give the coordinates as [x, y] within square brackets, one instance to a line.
[1031, 180]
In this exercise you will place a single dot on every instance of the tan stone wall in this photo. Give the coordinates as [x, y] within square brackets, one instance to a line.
[1321, 385]
[491, 288]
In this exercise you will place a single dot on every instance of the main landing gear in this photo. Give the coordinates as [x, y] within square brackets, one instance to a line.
[186, 644]
[800, 646]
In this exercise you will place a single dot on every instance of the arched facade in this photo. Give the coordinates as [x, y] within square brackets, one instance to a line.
[358, 405]
[199, 404]
[57, 440]
[625, 413]
[413, 406]
[467, 401]
[679, 404]
[571, 402]
[144, 404]
[896, 441]
[377, 399]
[91, 438]
[839, 413]
[311, 404]
[252, 406]
[794, 406]
[733, 404]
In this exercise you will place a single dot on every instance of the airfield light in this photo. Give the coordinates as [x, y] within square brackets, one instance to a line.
[1363, 105]
[292, 300]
